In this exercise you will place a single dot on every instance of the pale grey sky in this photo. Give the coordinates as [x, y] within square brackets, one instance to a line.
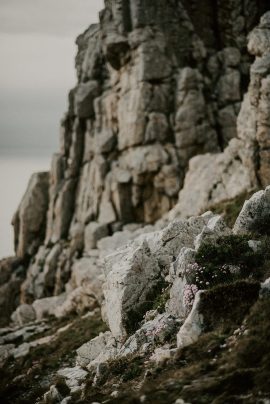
[37, 67]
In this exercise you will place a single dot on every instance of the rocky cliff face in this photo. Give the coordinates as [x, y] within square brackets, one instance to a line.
[156, 86]
[170, 116]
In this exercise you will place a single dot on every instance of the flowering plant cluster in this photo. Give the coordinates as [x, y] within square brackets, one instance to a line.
[189, 294]
[204, 277]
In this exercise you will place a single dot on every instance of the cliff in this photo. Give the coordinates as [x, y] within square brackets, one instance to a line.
[170, 118]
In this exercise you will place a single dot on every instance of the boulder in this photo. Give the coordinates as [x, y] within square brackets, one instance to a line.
[48, 305]
[213, 178]
[24, 314]
[255, 214]
[74, 377]
[131, 275]
[92, 349]
[193, 325]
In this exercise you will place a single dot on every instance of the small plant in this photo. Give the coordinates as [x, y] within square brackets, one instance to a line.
[161, 300]
[189, 294]
[227, 260]
[128, 367]
[231, 250]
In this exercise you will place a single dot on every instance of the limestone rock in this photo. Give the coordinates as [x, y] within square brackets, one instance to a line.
[215, 228]
[131, 276]
[149, 335]
[192, 327]
[84, 98]
[30, 219]
[213, 178]
[175, 305]
[52, 396]
[255, 214]
[6, 352]
[74, 377]
[23, 314]
[47, 306]
[90, 350]
[134, 271]
[162, 355]
[93, 233]
[86, 272]
[259, 38]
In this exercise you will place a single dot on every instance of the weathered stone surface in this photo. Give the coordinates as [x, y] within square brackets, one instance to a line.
[215, 228]
[192, 327]
[255, 214]
[212, 178]
[73, 377]
[152, 333]
[162, 355]
[90, 351]
[133, 272]
[30, 219]
[259, 38]
[131, 275]
[84, 98]
[175, 305]
[52, 396]
[23, 314]
[47, 306]
[93, 233]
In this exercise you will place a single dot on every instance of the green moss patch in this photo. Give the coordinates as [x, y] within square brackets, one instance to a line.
[226, 305]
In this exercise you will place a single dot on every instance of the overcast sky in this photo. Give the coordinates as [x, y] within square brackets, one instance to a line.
[37, 68]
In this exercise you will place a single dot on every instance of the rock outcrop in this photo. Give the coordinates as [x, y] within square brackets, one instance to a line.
[161, 125]
[244, 164]
[142, 108]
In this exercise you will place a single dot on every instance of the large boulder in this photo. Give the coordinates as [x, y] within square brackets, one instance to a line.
[255, 214]
[135, 274]
[132, 274]
[193, 326]
[213, 178]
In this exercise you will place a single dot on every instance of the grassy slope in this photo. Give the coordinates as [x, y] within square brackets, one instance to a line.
[24, 380]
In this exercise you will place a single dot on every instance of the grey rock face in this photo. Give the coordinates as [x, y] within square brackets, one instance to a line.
[135, 272]
[154, 113]
[30, 219]
[244, 164]
[90, 351]
[255, 214]
[132, 275]
[12, 275]
[93, 233]
[193, 326]
[133, 124]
